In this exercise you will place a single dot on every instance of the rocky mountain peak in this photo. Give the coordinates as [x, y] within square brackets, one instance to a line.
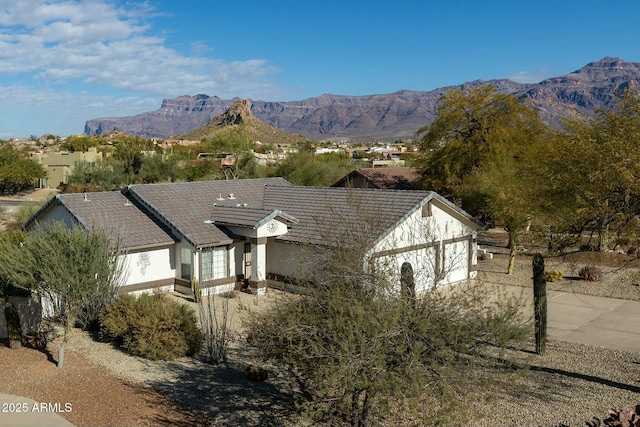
[384, 116]
[239, 112]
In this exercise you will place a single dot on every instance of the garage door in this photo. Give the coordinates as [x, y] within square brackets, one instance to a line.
[456, 261]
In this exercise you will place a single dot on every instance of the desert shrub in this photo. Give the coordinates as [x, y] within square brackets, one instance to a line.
[553, 275]
[618, 418]
[151, 326]
[215, 331]
[591, 273]
[89, 317]
[255, 373]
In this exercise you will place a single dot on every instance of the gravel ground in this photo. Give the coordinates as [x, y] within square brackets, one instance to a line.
[571, 383]
[620, 280]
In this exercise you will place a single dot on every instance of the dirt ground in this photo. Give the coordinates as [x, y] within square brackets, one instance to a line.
[40, 195]
[97, 397]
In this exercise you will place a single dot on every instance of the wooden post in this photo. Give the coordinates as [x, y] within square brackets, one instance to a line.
[540, 303]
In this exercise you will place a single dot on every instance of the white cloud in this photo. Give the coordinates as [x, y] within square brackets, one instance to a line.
[26, 110]
[101, 43]
[529, 77]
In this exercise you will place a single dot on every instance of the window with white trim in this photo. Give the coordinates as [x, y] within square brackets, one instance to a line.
[214, 263]
[185, 263]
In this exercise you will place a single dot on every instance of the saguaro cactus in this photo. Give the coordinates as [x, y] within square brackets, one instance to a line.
[540, 303]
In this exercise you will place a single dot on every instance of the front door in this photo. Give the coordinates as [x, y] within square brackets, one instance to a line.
[246, 259]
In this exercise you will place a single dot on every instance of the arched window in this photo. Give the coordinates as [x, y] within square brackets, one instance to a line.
[407, 284]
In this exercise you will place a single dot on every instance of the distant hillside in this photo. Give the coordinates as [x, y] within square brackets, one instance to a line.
[239, 116]
[389, 116]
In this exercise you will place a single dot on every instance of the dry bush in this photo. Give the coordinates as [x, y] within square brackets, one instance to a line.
[151, 326]
[591, 273]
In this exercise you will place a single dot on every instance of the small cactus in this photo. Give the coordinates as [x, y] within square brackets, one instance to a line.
[540, 303]
[553, 275]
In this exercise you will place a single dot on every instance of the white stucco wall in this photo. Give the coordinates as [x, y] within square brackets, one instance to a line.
[422, 241]
[423, 262]
[286, 259]
[58, 213]
[437, 247]
[149, 265]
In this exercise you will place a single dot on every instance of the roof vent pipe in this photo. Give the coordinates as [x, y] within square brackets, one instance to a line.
[231, 196]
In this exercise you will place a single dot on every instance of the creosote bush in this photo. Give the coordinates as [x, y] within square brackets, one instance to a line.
[151, 326]
[553, 275]
[591, 273]
[255, 373]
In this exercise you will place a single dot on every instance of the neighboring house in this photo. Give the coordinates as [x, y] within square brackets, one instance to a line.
[270, 157]
[221, 233]
[386, 162]
[381, 178]
[60, 165]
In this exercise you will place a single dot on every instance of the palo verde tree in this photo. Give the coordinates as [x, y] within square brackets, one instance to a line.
[591, 171]
[129, 151]
[506, 191]
[73, 269]
[471, 127]
[473, 153]
[358, 344]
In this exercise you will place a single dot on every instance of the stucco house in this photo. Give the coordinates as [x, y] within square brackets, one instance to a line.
[225, 233]
[382, 178]
[61, 164]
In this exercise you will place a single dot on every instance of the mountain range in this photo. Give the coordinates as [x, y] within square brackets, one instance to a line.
[391, 116]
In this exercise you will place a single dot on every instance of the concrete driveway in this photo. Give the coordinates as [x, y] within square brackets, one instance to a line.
[16, 411]
[595, 321]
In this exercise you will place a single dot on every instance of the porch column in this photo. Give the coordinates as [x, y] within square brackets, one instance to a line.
[258, 279]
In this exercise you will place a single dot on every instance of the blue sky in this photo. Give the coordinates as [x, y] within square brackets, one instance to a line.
[63, 62]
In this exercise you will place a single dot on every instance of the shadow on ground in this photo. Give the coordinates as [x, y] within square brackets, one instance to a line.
[221, 395]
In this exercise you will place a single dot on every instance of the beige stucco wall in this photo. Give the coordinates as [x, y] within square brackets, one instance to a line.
[60, 164]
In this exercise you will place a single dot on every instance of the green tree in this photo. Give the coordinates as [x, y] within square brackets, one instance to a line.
[129, 150]
[232, 140]
[17, 171]
[70, 268]
[101, 176]
[163, 168]
[505, 191]
[78, 143]
[357, 346]
[591, 171]
[471, 127]
[475, 153]
[309, 169]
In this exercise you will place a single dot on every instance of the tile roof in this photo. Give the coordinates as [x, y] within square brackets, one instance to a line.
[155, 214]
[330, 215]
[184, 206]
[245, 216]
[127, 224]
[384, 178]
